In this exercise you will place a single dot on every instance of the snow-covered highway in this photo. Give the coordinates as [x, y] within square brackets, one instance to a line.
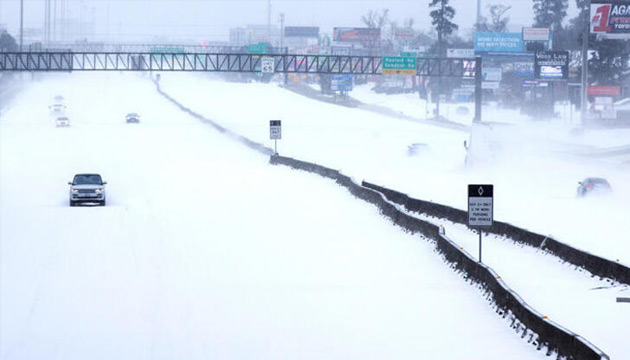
[204, 250]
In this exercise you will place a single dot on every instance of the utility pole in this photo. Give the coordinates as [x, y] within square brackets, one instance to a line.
[440, 45]
[21, 24]
[269, 21]
[585, 35]
[286, 76]
[478, 13]
[281, 30]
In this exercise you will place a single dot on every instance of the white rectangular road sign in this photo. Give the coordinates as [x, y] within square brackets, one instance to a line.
[275, 130]
[267, 65]
[480, 205]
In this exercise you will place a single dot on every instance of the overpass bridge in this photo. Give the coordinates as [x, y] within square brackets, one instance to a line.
[238, 62]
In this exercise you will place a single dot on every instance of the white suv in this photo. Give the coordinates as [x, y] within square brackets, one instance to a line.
[87, 188]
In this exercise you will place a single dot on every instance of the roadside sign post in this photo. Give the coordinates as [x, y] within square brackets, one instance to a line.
[275, 133]
[480, 208]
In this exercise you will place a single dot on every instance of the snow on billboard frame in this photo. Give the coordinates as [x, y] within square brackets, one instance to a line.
[610, 19]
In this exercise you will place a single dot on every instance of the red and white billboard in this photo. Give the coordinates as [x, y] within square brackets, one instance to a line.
[357, 35]
[603, 90]
[610, 18]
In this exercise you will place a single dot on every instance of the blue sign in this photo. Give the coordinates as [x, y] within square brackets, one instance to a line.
[341, 83]
[524, 69]
[498, 42]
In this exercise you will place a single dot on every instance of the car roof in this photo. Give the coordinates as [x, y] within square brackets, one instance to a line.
[595, 180]
[87, 174]
[623, 101]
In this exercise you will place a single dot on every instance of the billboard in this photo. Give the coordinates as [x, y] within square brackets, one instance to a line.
[524, 69]
[302, 31]
[498, 42]
[603, 90]
[356, 35]
[492, 73]
[404, 33]
[551, 65]
[535, 34]
[610, 18]
[341, 83]
[460, 53]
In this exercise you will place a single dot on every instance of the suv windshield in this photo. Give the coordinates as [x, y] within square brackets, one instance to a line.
[87, 179]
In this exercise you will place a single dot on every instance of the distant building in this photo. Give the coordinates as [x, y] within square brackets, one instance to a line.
[252, 34]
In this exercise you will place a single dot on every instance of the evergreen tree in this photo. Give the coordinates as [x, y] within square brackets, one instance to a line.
[550, 13]
[7, 42]
[610, 63]
[441, 20]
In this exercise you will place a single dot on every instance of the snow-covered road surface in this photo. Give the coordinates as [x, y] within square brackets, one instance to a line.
[204, 250]
[536, 166]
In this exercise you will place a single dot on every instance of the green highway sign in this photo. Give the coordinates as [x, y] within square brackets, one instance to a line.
[399, 65]
[167, 50]
[260, 48]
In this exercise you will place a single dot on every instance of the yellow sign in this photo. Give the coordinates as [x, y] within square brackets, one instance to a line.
[399, 72]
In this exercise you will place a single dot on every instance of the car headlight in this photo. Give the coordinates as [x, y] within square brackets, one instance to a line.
[99, 190]
[74, 191]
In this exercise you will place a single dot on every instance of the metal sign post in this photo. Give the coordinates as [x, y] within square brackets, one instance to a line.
[275, 133]
[480, 208]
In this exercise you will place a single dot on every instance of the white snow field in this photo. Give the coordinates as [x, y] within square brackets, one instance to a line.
[204, 250]
[534, 166]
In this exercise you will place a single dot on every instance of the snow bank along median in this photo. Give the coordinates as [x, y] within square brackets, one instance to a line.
[596, 265]
[527, 322]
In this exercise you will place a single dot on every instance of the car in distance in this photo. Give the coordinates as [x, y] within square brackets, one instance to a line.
[87, 188]
[132, 118]
[62, 121]
[592, 186]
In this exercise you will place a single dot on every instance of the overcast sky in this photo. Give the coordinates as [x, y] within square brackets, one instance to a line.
[211, 19]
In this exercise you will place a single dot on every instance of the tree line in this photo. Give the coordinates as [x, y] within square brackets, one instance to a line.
[609, 62]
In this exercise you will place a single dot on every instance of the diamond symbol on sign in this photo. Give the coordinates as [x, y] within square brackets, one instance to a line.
[480, 191]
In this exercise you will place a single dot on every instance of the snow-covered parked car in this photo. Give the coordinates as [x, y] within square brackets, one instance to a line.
[87, 188]
[62, 121]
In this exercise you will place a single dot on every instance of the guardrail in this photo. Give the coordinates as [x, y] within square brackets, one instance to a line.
[524, 319]
[594, 264]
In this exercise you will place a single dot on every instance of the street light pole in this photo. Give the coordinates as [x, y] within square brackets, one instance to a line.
[478, 13]
[585, 35]
[21, 24]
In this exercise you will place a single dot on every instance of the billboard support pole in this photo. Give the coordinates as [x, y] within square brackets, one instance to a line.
[478, 89]
[585, 36]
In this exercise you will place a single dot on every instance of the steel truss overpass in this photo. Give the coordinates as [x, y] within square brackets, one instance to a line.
[244, 63]
[225, 62]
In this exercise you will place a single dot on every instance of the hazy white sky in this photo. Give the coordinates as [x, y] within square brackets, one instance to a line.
[211, 19]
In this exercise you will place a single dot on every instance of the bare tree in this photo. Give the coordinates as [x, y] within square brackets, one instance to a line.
[499, 21]
[375, 20]
[497, 17]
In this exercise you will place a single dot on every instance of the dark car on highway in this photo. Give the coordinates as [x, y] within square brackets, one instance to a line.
[590, 186]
